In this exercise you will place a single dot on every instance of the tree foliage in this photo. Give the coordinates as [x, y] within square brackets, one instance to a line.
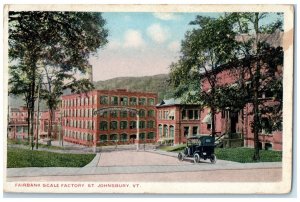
[58, 41]
[233, 41]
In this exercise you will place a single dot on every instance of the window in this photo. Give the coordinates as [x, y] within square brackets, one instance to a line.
[113, 125]
[191, 114]
[104, 100]
[123, 114]
[132, 124]
[113, 114]
[166, 113]
[142, 136]
[150, 101]
[196, 114]
[208, 127]
[132, 101]
[113, 137]
[186, 131]
[123, 137]
[166, 131]
[142, 124]
[184, 114]
[103, 138]
[160, 115]
[150, 124]
[151, 135]
[171, 131]
[142, 101]
[142, 113]
[151, 113]
[103, 125]
[123, 124]
[195, 130]
[124, 101]
[160, 130]
[114, 100]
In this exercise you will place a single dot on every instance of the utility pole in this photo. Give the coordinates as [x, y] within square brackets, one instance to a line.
[137, 130]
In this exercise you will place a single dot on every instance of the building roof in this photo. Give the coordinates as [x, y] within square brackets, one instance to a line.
[169, 102]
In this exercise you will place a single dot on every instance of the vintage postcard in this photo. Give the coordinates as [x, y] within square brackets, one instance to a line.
[159, 99]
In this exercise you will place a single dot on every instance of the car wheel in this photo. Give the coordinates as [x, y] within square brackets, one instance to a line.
[180, 156]
[213, 159]
[196, 158]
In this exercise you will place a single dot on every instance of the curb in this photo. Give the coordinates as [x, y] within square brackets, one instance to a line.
[94, 162]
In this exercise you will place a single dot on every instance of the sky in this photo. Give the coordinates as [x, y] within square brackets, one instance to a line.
[141, 44]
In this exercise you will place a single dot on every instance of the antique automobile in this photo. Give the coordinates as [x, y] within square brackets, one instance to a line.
[199, 147]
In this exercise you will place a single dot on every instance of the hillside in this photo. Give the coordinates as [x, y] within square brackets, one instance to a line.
[157, 84]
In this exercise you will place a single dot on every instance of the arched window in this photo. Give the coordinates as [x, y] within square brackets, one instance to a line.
[113, 137]
[103, 125]
[123, 137]
[165, 131]
[150, 124]
[150, 101]
[160, 130]
[151, 136]
[132, 124]
[171, 129]
[113, 125]
[123, 124]
[142, 113]
[103, 138]
[142, 136]
[151, 113]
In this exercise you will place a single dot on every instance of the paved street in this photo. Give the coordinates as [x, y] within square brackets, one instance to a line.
[151, 166]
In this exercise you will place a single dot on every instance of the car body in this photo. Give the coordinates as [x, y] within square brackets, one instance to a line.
[199, 147]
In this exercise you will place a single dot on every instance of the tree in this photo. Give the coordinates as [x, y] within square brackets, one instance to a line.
[260, 60]
[203, 51]
[62, 40]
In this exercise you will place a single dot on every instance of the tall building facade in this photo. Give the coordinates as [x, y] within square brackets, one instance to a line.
[117, 122]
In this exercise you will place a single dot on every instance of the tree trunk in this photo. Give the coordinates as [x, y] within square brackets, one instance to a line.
[213, 124]
[256, 156]
[50, 123]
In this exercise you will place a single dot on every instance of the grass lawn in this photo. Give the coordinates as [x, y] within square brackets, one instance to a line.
[19, 158]
[240, 154]
[244, 155]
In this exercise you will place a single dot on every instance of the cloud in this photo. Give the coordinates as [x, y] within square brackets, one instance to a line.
[133, 39]
[166, 16]
[114, 45]
[157, 33]
[174, 46]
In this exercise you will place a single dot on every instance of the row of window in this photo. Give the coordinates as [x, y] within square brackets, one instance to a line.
[166, 131]
[124, 101]
[78, 135]
[108, 100]
[113, 113]
[125, 137]
[105, 137]
[190, 114]
[113, 125]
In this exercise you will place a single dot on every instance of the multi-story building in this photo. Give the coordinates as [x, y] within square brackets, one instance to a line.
[238, 123]
[176, 122]
[18, 125]
[116, 123]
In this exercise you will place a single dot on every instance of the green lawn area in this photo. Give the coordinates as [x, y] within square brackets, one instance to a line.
[244, 155]
[240, 154]
[19, 158]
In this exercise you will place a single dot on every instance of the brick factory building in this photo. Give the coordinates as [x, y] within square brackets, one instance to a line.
[176, 121]
[18, 128]
[113, 125]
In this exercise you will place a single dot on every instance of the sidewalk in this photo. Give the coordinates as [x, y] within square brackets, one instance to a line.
[94, 168]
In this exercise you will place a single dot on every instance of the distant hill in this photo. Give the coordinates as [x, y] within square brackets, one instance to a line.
[157, 84]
